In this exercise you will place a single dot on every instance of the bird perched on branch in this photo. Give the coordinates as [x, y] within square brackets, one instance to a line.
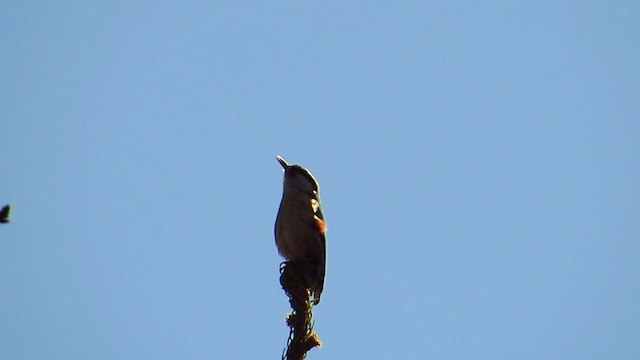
[300, 227]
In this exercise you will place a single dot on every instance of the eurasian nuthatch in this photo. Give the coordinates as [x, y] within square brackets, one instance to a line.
[300, 227]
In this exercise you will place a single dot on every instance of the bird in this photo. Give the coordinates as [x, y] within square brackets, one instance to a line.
[5, 214]
[300, 227]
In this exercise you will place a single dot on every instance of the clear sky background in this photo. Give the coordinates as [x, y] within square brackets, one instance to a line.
[479, 165]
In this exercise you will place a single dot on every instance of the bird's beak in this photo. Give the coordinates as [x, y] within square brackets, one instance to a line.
[282, 162]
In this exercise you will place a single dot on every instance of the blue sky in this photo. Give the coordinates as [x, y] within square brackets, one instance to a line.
[478, 163]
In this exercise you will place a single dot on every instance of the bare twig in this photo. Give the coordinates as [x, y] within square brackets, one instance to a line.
[302, 338]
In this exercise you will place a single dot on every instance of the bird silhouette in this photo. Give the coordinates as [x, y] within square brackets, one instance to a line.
[5, 214]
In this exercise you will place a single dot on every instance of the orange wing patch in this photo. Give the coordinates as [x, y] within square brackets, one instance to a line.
[320, 225]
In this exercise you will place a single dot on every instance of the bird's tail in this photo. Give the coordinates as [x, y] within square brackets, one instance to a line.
[317, 283]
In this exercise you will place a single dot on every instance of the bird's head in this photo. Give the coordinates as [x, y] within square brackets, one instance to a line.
[298, 178]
